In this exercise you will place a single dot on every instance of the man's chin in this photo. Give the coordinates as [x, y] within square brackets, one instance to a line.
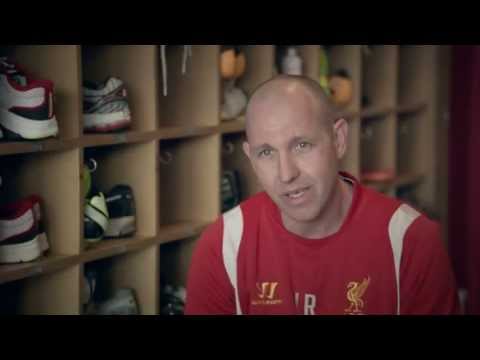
[299, 215]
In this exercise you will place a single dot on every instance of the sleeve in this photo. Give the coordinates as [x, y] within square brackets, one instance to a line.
[209, 291]
[427, 282]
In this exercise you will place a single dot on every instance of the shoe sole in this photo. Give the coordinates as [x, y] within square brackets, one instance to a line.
[26, 128]
[107, 122]
[93, 241]
[20, 253]
[121, 227]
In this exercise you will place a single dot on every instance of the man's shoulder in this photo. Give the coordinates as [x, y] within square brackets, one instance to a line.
[386, 209]
[380, 204]
[376, 204]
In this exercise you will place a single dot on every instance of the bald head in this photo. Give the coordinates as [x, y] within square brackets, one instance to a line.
[284, 90]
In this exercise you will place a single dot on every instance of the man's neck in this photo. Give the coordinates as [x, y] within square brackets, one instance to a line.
[330, 220]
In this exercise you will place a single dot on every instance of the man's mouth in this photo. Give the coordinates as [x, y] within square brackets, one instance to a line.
[296, 194]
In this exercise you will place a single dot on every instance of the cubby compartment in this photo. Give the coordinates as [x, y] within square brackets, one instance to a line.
[280, 51]
[235, 92]
[235, 159]
[59, 64]
[379, 78]
[175, 261]
[378, 148]
[260, 61]
[189, 180]
[55, 293]
[409, 144]
[135, 166]
[348, 59]
[419, 115]
[193, 98]
[137, 272]
[311, 61]
[136, 66]
[411, 157]
[413, 75]
[54, 177]
[352, 158]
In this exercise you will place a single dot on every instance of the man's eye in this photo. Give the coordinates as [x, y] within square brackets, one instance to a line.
[265, 153]
[303, 146]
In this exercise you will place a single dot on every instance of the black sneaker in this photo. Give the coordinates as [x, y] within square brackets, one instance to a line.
[230, 190]
[121, 208]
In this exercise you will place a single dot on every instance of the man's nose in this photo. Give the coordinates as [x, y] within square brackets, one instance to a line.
[288, 170]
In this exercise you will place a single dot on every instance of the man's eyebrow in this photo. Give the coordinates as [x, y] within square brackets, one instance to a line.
[296, 139]
[261, 147]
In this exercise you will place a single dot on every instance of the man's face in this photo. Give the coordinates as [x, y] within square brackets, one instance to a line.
[295, 155]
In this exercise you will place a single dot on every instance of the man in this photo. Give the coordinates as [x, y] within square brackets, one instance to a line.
[316, 242]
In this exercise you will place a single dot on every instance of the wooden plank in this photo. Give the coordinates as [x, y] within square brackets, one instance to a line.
[94, 140]
[404, 109]
[45, 265]
[180, 231]
[48, 145]
[180, 132]
[233, 126]
[399, 181]
[57, 293]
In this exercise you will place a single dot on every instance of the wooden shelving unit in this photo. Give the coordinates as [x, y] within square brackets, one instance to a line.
[174, 154]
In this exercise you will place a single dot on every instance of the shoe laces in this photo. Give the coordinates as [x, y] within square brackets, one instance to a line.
[187, 53]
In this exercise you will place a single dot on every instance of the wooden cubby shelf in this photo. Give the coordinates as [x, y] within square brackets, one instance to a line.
[398, 181]
[95, 140]
[18, 147]
[233, 126]
[179, 132]
[42, 266]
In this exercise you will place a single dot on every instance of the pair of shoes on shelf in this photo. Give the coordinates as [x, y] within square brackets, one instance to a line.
[107, 216]
[110, 216]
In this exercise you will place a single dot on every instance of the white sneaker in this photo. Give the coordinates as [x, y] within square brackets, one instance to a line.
[26, 105]
[122, 303]
[105, 106]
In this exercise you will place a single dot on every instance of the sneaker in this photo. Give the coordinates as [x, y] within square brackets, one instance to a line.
[20, 239]
[89, 286]
[105, 106]
[174, 299]
[26, 105]
[121, 208]
[122, 302]
[95, 219]
[230, 190]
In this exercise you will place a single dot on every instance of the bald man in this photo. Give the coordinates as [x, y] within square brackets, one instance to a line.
[315, 242]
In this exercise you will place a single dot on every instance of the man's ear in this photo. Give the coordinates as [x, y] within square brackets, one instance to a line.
[246, 149]
[340, 132]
